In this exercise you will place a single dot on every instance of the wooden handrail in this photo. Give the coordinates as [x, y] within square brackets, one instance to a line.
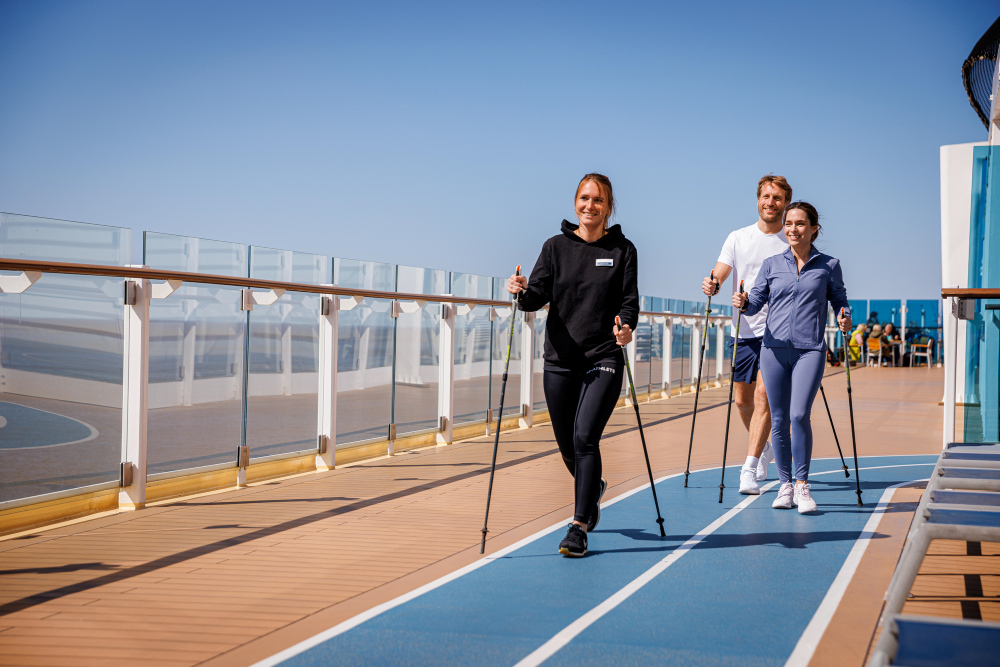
[697, 316]
[232, 281]
[971, 292]
[7, 264]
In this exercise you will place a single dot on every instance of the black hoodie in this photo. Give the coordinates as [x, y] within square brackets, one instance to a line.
[585, 285]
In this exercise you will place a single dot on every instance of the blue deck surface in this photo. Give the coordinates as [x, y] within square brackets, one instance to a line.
[743, 596]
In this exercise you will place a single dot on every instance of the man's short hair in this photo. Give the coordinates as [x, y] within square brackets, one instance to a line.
[777, 181]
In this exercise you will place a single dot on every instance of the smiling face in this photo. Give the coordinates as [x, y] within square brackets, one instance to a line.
[771, 203]
[798, 230]
[592, 206]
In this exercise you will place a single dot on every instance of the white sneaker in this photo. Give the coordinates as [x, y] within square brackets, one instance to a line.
[786, 497]
[748, 485]
[804, 499]
[766, 457]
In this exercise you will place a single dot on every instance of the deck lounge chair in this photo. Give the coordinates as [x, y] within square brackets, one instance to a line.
[933, 642]
[962, 502]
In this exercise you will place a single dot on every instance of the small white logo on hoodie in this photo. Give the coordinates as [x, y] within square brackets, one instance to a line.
[605, 262]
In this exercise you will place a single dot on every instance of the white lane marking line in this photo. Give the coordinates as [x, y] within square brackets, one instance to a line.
[806, 646]
[93, 431]
[566, 635]
[355, 621]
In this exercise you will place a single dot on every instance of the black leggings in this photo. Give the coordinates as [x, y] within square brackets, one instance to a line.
[580, 404]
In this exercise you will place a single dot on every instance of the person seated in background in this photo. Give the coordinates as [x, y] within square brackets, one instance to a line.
[891, 338]
[856, 343]
[874, 342]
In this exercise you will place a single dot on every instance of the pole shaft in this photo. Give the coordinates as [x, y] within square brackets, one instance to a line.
[642, 437]
[496, 439]
[834, 429]
[854, 438]
[697, 389]
[729, 409]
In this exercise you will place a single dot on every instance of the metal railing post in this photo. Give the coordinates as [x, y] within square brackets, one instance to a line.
[326, 429]
[446, 374]
[694, 349]
[720, 351]
[668, 353]
[135, 394]
[903, 311]
[950, 377]
[527, 368]
[630, 350]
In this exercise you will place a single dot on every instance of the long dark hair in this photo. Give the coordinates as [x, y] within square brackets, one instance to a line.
[811, 213]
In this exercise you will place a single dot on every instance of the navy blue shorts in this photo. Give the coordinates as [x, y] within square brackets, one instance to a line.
[747, 359]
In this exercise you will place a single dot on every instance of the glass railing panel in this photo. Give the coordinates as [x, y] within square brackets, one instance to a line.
[196, 356]
[656, 342]
[980, 405]
[364, 353]
[473, 333]
[642, 335]
[418, 352]
[501, 336]
[61, 345]
[859, 310]
[283, 378]
[923, 324]
[538, 364]
[727, 336]
[884, 311]
[655, 358]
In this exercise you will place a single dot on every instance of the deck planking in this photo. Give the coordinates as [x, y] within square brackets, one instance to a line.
[234, 576]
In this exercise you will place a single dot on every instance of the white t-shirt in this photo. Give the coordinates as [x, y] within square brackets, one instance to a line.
[745, 250]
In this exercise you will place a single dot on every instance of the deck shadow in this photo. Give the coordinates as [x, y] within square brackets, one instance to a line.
[194, 552]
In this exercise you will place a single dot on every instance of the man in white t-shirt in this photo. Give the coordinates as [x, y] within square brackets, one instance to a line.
[742, 255]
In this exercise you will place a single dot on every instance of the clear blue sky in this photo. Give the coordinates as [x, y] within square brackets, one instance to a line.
[452, 135]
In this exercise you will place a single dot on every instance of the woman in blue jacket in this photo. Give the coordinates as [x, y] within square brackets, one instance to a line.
[796, 285]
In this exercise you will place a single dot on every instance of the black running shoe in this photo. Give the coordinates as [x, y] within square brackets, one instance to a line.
[595, 518]
[574, 544]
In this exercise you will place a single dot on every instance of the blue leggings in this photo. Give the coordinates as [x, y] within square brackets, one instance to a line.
[791, 377]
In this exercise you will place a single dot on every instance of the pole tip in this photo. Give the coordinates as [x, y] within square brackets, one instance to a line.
[517, 271]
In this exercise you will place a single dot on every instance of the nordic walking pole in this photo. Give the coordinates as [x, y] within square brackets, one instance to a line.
[834, 429]
[729, 410]
[496, 440]
[697, 389]
[850, 405]
[635, 404]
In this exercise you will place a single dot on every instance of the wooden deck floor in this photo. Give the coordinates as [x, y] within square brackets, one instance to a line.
[231, 577]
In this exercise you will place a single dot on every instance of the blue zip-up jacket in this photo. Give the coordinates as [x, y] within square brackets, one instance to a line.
[796, 313]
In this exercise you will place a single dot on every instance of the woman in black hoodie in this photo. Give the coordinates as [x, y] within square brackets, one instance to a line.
[587, 275]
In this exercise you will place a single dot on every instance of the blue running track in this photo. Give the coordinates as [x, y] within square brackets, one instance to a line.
[742, 596]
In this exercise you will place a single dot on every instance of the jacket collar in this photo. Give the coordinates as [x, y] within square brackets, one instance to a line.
[790, 256]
